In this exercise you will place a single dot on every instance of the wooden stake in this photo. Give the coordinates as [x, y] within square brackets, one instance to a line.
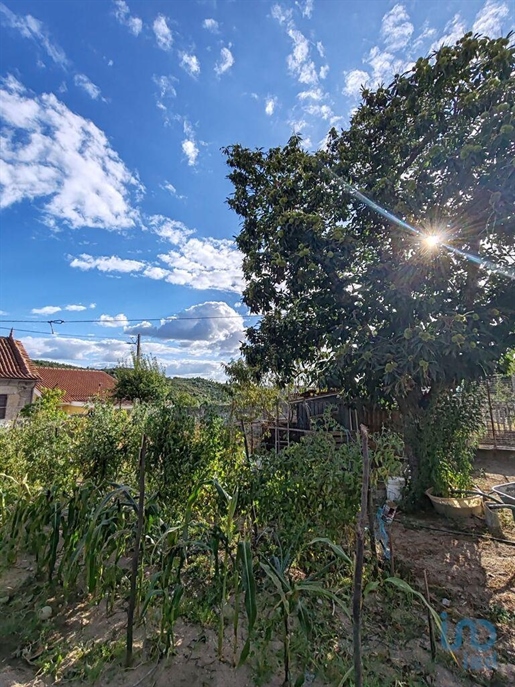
[392, 552]
[358, 565]
[432, 640]
[136, 554]
[371, 531]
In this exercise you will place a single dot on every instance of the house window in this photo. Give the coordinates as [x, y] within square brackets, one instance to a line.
[3, 406]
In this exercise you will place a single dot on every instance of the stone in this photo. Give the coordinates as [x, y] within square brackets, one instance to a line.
[45, 613]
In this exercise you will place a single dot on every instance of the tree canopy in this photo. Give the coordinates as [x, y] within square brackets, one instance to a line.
[144, 381]
[367, 305]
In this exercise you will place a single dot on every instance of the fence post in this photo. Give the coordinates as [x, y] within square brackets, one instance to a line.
[358, 565]
[491, 412]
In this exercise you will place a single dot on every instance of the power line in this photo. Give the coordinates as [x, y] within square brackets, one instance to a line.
[171, 318]
[84, 337]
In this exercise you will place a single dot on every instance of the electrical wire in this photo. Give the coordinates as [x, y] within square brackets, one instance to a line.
[170, 318]
[83, 337]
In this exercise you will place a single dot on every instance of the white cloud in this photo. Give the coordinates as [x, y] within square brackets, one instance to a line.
[212, 322]
[489, 19]
[162, 33]
[322, 111]
[354, 80]
[396, 28]
[119, 320]
[270, 104]
[105, 263]
[324, 71]
[189, 144]
[47, 151]
[226, 61]
[170, 229]
[297, 125]
[281, 15]
[196, 368]
[30, 27]
[167, 186]
[96, 353]
[82, 81]
[75, 308]
[307, 8]
[205, 263]
[320, 48]
[183, 358]
[166, 92]
[92, 306]
[419, 45]
[157, 273]
[3, 312]
[299, 63]
[165, 85]
[384, 66]
[312, 94]
[454, 30]
[211, 25]
[190, 149]
[196, 262]
[123, 15]
[46, 310]
[190, 64]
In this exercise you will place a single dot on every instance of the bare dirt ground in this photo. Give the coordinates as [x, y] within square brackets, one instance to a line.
[469, 574]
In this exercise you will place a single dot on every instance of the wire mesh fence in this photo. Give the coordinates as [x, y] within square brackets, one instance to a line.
[499, 413]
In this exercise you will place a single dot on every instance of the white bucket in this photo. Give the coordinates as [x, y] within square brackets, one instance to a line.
[394, 488]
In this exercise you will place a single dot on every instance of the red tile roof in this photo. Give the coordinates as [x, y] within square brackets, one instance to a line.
[78, 385]
[14, 361]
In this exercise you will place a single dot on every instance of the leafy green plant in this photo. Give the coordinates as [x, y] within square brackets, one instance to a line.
[386, 455]
[448, 438]
[311, 488]
[290, 594]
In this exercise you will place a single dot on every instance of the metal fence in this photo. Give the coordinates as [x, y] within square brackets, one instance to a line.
[499, 413]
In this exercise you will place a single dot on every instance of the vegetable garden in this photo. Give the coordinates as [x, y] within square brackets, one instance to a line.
[187, 531]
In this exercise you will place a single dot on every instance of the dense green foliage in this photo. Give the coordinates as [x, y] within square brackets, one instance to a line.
[142, 380]
[352, 298]
[449, 434]
[268, 550]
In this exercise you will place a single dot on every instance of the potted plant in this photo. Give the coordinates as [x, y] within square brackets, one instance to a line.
[451, 433]
[387, 476]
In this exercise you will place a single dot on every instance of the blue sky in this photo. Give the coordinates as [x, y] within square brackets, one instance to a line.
[112, 183]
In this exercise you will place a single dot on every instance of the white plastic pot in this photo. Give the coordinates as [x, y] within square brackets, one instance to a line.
[394, 488]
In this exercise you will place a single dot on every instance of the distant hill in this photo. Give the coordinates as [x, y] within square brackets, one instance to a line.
[51, 363]
[201, 390]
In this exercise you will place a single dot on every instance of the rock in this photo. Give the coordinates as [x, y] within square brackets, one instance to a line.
[45, 613]
[446, 603]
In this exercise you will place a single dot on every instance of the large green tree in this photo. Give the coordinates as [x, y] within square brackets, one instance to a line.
[362, 302]
[144, 380]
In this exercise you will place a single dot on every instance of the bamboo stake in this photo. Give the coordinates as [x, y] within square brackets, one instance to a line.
[490, 409]
[392, 551]
[432, 640]
[358, 566]
[136, 554]
[371, 531]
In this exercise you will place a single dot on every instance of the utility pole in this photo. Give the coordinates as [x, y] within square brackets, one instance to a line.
[138, 348]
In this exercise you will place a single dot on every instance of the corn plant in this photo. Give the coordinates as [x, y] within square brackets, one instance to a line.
[228, 532]
[290, 597]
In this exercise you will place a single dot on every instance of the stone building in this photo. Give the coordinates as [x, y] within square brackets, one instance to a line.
[18, 378]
